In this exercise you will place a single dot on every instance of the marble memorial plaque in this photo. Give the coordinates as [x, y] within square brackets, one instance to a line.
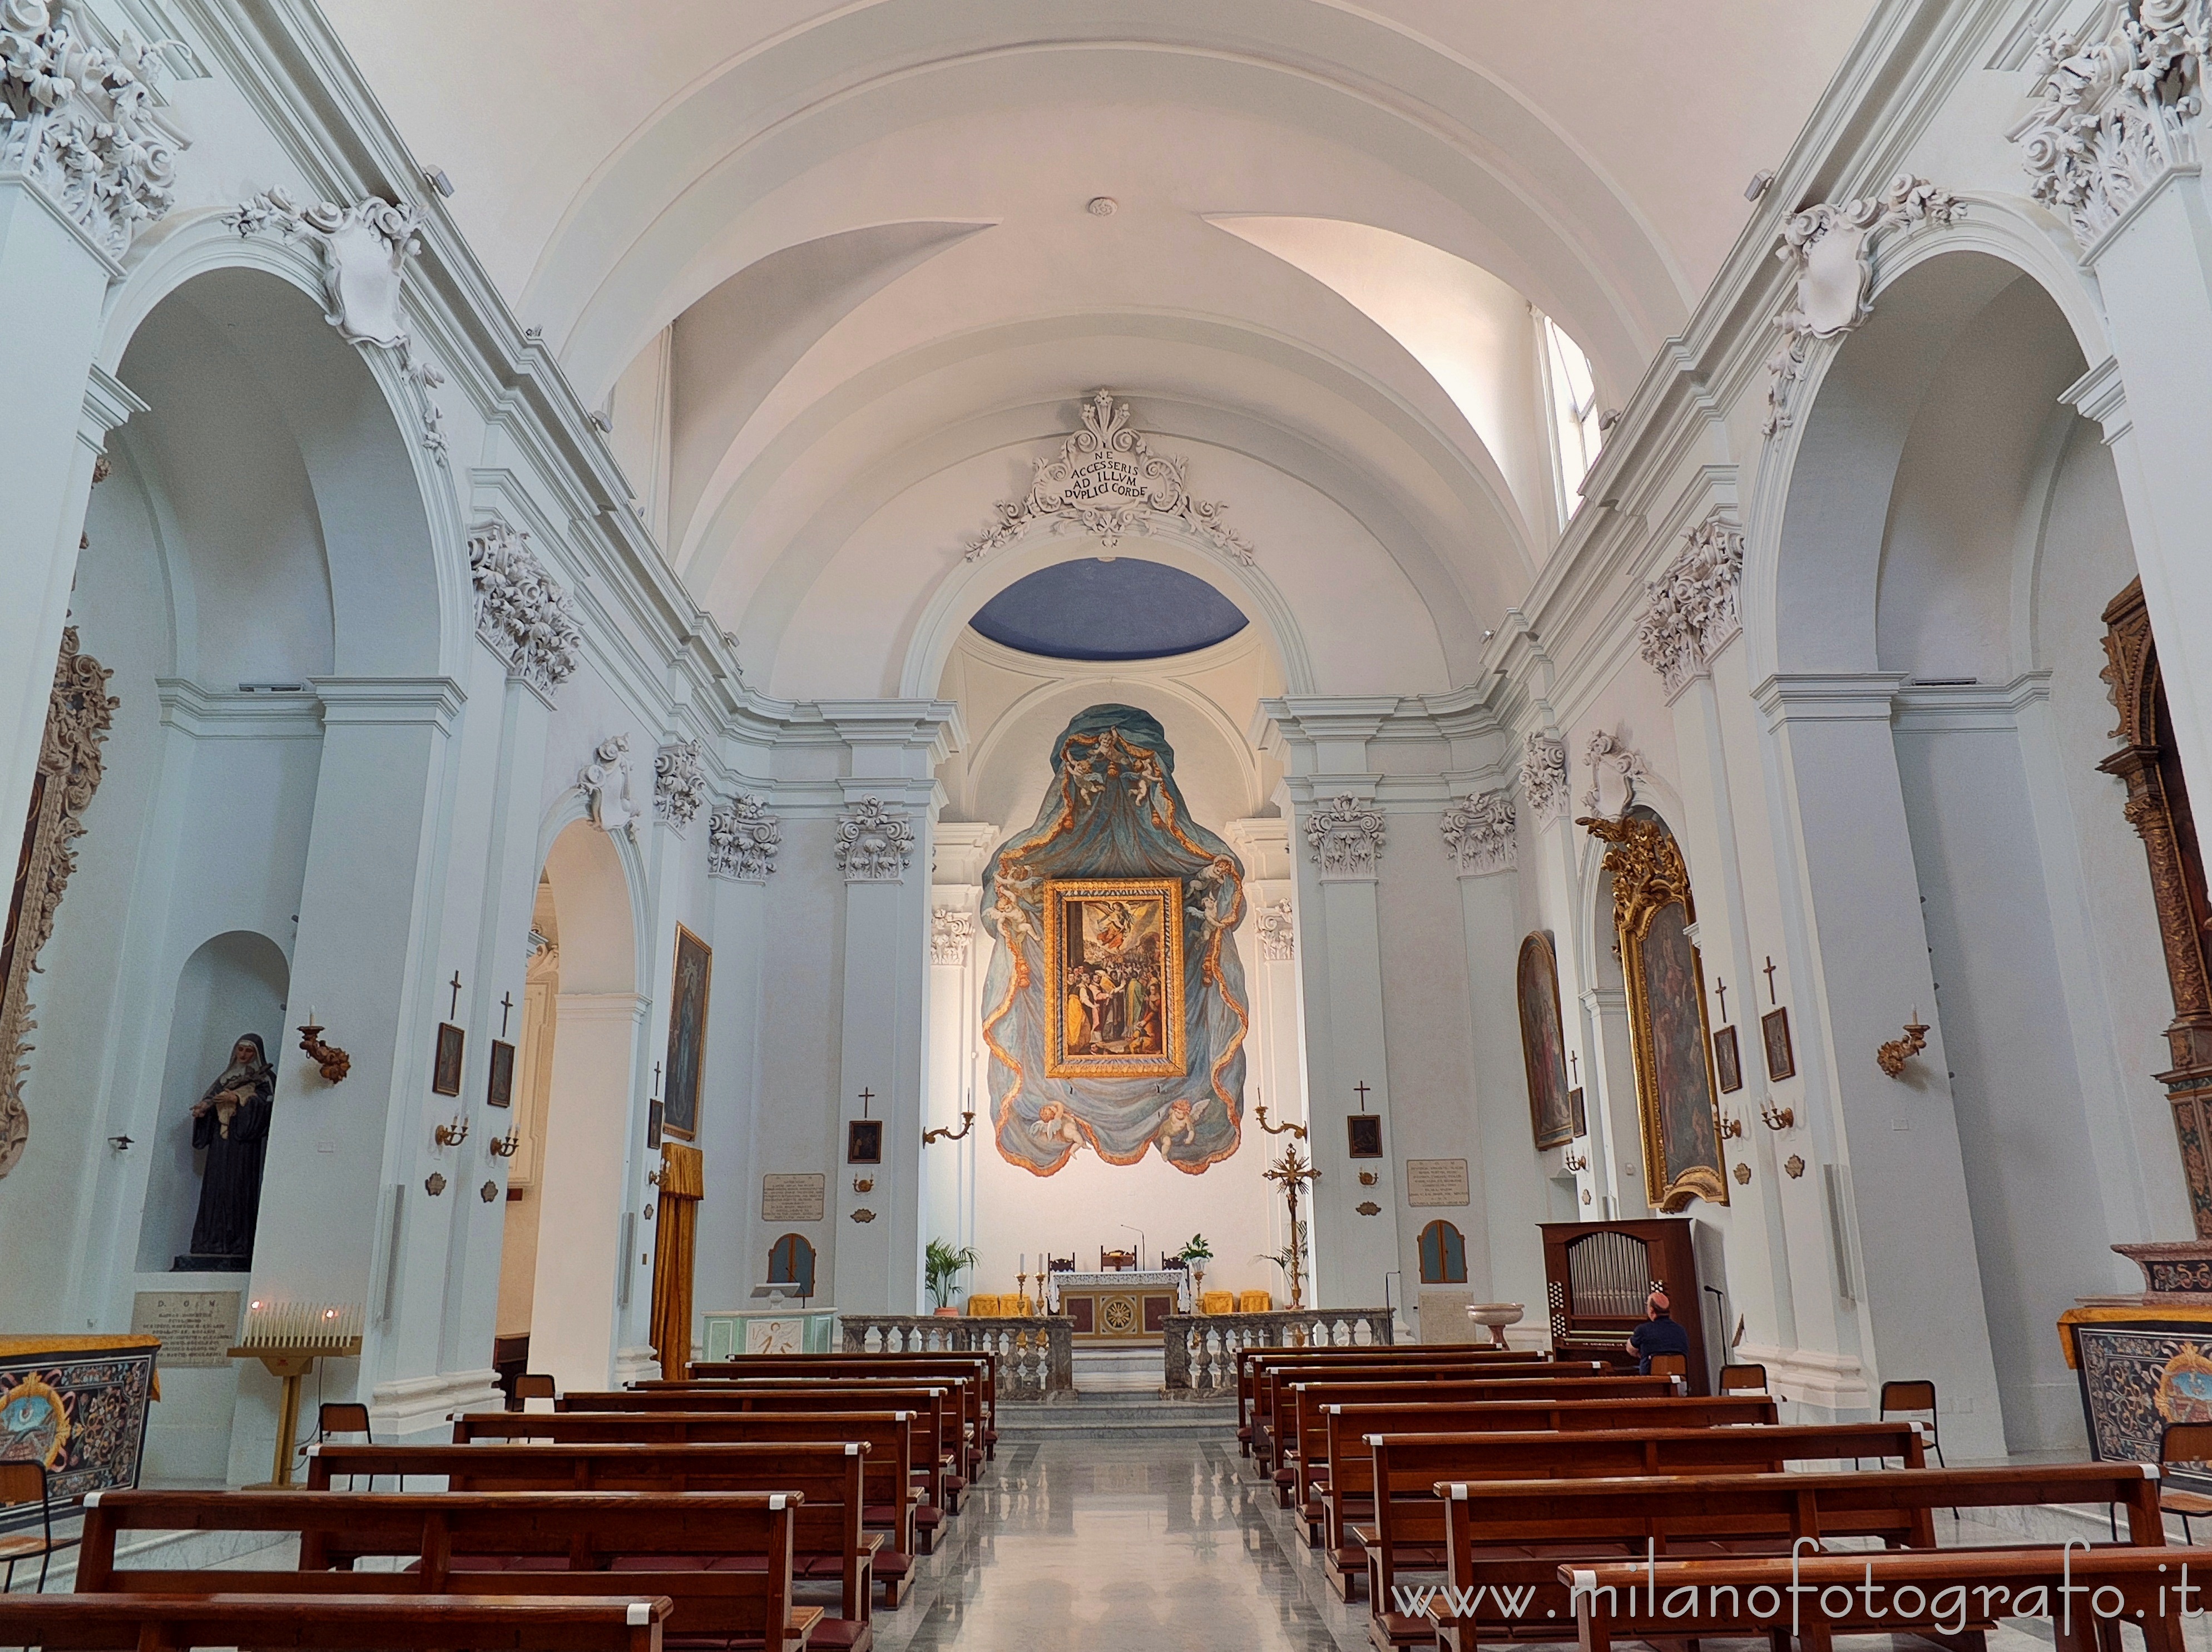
[787, 1198]
[197, 1328]
[1431, 1182]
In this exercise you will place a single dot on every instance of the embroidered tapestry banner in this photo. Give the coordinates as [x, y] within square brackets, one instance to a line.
[1114, 1007]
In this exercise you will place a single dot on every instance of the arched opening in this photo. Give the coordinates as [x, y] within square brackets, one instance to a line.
[1444, 1254]
[791, 1262]
[233, 984]
[561, 1287]
[1954, 534]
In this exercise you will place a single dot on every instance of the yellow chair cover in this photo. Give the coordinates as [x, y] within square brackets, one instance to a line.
[1218, 1301]
[1256, 1302]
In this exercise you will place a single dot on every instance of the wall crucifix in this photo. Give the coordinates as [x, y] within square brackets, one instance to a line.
[455, 1009]
[506, 1006]
[1769, 973]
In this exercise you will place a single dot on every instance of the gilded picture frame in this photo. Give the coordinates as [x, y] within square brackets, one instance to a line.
[1543, 1042]
[1677, 1090]
[1114, 978]
[690, 982]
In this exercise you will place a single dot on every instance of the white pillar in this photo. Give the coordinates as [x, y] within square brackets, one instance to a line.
[1904, 1296]
[731, 1254]
[64, 232]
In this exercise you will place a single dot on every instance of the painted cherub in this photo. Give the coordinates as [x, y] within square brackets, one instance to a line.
[1055, 1123]
[1176, 1124]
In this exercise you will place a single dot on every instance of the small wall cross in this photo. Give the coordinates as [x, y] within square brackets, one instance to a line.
[1720, 989]
[1361, 1089]
[1770, 978]
[455, 1009]
[506, 1003]
[866, 1096]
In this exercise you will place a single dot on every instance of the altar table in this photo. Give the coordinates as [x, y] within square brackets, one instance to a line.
[1128, 1308]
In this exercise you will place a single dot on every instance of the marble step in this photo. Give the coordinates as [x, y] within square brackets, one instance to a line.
[1117, 1417]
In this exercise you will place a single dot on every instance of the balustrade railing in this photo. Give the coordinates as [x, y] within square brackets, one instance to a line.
[1200, 1350]
[1037, 1359]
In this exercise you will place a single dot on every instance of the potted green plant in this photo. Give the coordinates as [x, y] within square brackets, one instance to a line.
[1195, 1256]
[940, 1265]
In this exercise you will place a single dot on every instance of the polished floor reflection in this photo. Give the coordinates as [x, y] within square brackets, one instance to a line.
[1152, 1546]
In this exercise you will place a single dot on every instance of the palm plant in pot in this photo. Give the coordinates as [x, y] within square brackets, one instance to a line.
[940, 1265]
[1196, 1255]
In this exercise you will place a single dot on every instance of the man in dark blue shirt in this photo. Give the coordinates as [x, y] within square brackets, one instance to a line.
[1658, 1334]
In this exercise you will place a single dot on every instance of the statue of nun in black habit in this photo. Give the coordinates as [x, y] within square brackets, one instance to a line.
[230, 1122]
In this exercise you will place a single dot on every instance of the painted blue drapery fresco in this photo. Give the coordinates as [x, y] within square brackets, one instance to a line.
[1113, 812]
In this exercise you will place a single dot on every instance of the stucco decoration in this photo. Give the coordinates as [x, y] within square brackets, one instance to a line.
[2116, 102]
[1694, 610]
[742, 839]
[875, 844]
[1831, 249]
[79, 711]
[1544, 776]
[522, 614]
[1106, 481]
[1113, 812]
[365, 248]
[679, 782]
[1479, 834]
[605, 784]
[951, 932]
[77, 121]
[1615, 772]
[1346, 836]
[1278, 939]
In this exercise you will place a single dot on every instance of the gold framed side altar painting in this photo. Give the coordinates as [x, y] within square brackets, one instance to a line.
[1677, 1097]
[1114, 986]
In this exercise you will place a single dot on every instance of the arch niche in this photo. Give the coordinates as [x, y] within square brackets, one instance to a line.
[560, 1284]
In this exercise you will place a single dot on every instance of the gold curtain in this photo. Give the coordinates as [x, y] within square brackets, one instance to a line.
[682, 1185]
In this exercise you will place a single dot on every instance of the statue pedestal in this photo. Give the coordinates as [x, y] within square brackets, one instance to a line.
[190, 1262]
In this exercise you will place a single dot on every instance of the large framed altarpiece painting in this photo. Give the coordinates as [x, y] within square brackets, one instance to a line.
[1114, 978]
[1543, 1042]
[1677, 1098]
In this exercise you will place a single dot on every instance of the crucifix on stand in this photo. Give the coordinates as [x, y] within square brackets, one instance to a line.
[1292, 1172]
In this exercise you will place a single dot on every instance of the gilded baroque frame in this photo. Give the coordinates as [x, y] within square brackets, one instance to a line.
[1059, 893]
[1648, 876]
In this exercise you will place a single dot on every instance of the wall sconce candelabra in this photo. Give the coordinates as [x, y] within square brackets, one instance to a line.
[1777, 1118]
[1569, 1162]
[334, 1062]
[504, 1146]
[1892, 1057]
[946, 1133]
[453, 1134]
[1294, 1131]
[1731, 1129]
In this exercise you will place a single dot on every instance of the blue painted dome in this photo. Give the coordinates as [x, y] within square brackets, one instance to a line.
[1126, 609]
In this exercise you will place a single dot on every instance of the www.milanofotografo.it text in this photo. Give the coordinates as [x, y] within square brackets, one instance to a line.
[1949, 1608]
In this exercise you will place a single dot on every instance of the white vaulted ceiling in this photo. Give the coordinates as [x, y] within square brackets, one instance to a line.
[865, 224]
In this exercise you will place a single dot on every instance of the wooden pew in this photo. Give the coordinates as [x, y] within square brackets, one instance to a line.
[1493, 1528]
[889, 1436]
[1273, 1426]
[1250, 1359]
[1302, 1434]
[1383, 1516]
[723, 1560]
[1254, 1365]
[965, 1420]
[1975, 1585]
[404, 1623]
[935, 1409]
[757, 1365]
[828, 1537]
